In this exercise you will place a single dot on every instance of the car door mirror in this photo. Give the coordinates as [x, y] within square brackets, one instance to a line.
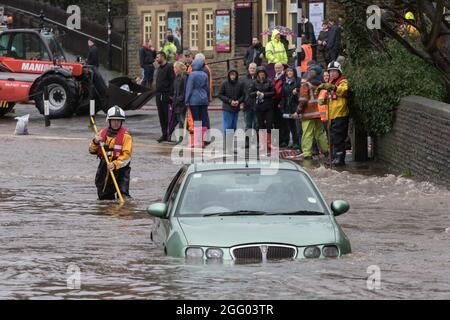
[158, 210]
[339, 207]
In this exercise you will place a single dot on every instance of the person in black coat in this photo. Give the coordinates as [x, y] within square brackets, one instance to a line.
[289, 104]
[164, 91]
[322, 41]
[179, 94]
[231, 94]
[255, 53]
[333, 41]
[308, 31]
[92, 57]
[262, 91]
[147, 55]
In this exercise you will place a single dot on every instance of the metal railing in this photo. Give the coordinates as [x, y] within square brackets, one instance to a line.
[228, 64]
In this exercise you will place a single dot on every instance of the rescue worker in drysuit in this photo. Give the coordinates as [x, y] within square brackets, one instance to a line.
[118, 145]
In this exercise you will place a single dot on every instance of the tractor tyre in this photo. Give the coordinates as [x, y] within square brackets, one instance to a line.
[63, 96]
[6, 107]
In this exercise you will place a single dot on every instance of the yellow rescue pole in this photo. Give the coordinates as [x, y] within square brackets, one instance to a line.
[105, 156]
[330, 149]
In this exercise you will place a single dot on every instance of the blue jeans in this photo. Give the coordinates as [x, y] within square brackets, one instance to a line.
[229, 120]
[250, 120]
[147, 72]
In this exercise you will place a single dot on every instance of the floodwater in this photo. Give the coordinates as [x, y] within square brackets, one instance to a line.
[52, 228]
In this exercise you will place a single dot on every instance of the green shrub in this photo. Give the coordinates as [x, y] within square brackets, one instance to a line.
[380, 80]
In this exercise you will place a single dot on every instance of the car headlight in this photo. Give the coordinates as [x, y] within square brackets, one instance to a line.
[330, 251]
[214, 253]
[194, 252]
[312, 252]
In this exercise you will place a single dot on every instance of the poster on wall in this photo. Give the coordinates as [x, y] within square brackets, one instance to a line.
[316, 16]
[175, 22]
[223, 31]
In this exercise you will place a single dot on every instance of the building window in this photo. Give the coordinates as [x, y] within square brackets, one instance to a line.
[209, 30]
[270, 6]
[193, 30]
[271, 13]
[272, 20]
[147, 26]
[293, 17]
[161, 28]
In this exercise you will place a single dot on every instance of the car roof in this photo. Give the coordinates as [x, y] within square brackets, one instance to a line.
[242, 164]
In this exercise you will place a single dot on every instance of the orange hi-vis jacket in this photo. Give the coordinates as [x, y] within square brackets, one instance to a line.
[307, 49]
[119, 147]
[322, 102]
[308, 106]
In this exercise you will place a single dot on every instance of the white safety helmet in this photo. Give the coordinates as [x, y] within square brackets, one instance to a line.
[334, 65]
[115, 113]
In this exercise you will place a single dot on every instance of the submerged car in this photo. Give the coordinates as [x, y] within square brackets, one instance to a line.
[247, 212]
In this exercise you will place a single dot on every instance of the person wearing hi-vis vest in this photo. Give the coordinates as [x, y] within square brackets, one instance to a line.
[275, 53]
[308, 111]
[306, 54]
[322, 101]
[339, 112]
[118, 145]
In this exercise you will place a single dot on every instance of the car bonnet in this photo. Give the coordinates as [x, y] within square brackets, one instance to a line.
[237, 230]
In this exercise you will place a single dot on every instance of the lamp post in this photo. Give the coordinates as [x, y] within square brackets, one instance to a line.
[299, 35]
[109, 36]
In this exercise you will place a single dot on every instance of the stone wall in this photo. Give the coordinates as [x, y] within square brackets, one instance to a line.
[135, 26]
[419, 143]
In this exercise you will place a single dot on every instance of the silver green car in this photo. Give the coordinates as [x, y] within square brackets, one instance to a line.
[247, 212]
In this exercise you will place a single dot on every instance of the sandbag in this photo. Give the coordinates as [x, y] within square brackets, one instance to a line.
[22, 125]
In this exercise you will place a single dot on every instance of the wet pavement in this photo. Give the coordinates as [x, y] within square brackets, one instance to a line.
[52, 224]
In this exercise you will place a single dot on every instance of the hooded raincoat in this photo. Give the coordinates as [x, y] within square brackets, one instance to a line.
[275, 50]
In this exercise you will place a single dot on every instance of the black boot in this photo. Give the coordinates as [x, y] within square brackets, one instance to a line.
[339, 160]
[161, 139]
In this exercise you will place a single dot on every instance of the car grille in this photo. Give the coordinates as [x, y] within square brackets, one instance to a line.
[248, 253]
[262, 252]
[275, 253]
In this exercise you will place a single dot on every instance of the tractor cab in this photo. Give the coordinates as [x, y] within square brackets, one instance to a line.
[30, 44]
[32, 62]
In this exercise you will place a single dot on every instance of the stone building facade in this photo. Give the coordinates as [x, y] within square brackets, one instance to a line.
[149, 19]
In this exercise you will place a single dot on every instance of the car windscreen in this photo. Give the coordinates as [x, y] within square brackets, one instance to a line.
[240, 191]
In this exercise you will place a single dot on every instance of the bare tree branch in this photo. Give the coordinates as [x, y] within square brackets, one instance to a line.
[393, 34]
[447, 4]
[421, 22]
[436, 28]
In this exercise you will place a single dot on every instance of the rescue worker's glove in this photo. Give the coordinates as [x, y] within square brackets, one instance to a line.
[111, 166]
[325, 86]
[97, 139]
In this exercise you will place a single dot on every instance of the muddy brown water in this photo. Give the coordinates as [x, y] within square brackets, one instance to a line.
[51, 222]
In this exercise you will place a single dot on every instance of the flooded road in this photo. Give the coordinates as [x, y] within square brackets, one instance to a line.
[52, 226]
